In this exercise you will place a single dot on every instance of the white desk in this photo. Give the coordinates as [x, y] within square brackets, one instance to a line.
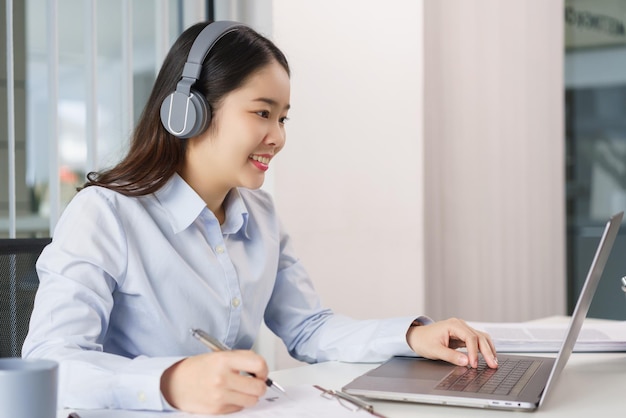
[591, 385]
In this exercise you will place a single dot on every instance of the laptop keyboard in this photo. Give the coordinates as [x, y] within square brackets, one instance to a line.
[508, 379]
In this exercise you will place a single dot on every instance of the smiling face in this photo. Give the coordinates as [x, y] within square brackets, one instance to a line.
[247, 131]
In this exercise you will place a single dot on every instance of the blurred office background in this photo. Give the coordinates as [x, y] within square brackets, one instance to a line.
[447, 157]
[595, 143]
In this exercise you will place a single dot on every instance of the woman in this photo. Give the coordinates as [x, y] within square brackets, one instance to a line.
[178, 236]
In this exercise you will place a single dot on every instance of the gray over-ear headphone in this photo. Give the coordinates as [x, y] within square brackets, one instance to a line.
[185, 112]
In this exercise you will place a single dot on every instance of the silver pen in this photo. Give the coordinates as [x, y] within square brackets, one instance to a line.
[216, 345]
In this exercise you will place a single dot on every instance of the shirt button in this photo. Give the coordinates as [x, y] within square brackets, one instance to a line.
[235, 302]
[219, 249]
[141, 396]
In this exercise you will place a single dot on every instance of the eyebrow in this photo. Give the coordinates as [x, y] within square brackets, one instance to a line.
[270, 102]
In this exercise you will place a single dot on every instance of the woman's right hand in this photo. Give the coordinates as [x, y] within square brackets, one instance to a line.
[212, 383]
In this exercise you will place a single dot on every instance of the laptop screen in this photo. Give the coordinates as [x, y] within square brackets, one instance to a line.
[586, 295]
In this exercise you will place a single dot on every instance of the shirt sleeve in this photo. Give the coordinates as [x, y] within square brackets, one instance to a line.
[78, 273]
[313, 333]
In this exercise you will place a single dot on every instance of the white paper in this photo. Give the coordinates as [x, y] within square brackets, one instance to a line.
[302, 401]
[548, 337]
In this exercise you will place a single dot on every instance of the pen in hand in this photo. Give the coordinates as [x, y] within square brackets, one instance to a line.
[215, 345]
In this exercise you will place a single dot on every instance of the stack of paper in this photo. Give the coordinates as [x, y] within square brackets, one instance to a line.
[547, 337]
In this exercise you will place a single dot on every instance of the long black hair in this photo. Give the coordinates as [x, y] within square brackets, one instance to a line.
[155, 154]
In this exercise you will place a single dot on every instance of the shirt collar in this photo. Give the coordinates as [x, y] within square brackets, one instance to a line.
[183, 206]
[236, 214]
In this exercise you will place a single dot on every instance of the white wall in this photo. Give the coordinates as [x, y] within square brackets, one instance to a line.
[349, 181]
[423, 171]
[495, 147]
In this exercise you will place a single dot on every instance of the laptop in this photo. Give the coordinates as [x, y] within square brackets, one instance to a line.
[519, 383]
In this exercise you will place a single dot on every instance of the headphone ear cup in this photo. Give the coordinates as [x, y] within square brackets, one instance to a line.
[185, 116]
[202, 111]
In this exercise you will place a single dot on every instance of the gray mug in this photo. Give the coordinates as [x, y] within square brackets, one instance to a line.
[28, 388]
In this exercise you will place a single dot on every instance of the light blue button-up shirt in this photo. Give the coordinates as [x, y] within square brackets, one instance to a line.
[125, 278]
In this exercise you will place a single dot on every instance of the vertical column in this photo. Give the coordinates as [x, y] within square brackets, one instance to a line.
[162, 17]
[91, 88]
[53, 126]
[10, 117]
[127, 68]
[494, 158]
[14, 198]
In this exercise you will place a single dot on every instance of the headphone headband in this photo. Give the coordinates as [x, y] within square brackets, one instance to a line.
[185, 112]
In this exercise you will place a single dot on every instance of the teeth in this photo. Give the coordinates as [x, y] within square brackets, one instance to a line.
[260, 159]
